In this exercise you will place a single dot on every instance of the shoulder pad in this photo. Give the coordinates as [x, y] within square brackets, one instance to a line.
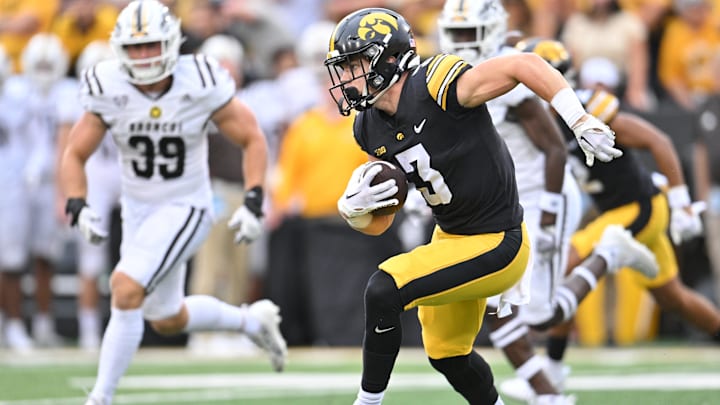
[441, 71]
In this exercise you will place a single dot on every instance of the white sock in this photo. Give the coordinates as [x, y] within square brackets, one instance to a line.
[88, 322]
[207, 313]
[120, 342]
[369, 398]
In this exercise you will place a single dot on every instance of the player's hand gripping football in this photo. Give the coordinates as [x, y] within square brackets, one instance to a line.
[87, 221]
[246, 220]
[596, 140]
[361, 198]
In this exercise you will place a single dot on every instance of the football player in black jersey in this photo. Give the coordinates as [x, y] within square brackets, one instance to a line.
[430, 120]
[624, 193]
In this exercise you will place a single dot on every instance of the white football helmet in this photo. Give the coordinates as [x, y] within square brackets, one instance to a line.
[224, 47]
[472, 29]
[93, 53]
[142, 22]
[45, 60]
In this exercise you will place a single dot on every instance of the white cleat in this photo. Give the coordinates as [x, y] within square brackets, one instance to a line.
[17, 338]
[269, 337]
[619, 249]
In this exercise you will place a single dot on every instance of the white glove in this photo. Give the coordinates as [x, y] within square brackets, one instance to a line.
[684, 225]
[89, 225]
[246, 220]
[87, 221]
[596, 141]
[247, 225]
[361, 198]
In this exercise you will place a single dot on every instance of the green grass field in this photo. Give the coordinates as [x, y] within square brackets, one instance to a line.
[658, 374]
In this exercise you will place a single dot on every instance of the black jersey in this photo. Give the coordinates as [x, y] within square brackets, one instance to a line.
[620, 181]
[452, 154]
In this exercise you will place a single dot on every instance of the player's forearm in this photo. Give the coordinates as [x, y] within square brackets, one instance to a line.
[539, 76]
[73, 181]
[255, 162]
[701, 171]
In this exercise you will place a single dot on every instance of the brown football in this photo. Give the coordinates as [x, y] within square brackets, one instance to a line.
[390, 171]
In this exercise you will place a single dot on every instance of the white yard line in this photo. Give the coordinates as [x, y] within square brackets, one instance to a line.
[205, 388]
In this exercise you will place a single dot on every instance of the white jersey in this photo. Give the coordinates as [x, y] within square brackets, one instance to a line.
[162, 139]
[529, 160]
[41, 128]
[14, 144]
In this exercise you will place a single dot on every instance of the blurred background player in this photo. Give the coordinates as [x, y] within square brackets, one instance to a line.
[45, 65]
[14, 206]
[624, 193]
[157, 104]
[103, 173]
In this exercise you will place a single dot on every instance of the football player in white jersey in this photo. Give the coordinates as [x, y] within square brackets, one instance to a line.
[156, 105]
[14, 212]
[476, 30]
[45, 63]
[103, 177]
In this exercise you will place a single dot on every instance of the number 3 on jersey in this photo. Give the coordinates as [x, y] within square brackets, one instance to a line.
[434, 189]
[170, 150]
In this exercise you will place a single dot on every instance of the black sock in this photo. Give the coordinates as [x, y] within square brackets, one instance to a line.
[716, 336]
[556, 347]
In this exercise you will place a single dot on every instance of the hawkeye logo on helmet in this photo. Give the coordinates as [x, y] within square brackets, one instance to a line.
[376, 23]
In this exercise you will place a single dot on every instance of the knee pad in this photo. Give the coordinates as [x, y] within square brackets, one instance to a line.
[382, 298]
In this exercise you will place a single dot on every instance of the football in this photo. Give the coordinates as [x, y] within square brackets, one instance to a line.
[390, 171]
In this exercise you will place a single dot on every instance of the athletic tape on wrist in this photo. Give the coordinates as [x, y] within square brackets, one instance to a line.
[360, 221]
[551, 202]
[567, 105]
[678, 196]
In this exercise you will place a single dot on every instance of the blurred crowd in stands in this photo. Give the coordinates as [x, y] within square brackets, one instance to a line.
[661, 57]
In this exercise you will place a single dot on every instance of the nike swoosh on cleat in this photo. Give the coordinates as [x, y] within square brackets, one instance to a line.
[351, 195]
[378, 330]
